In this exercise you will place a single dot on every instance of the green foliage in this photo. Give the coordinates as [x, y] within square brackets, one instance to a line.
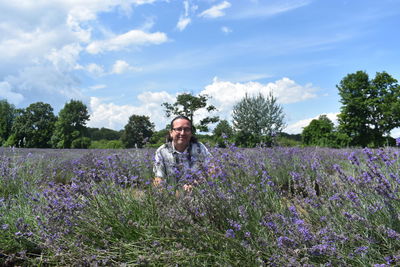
[81, 142]
[206, 139]
[371, 108]
[257, 119]
[223, 133]
[247, 139]
[158, 138]
[106, 144]
[284, 141]
[97, 134]
[137, 131]
[70, 125]
[223, 129]
[7, 116]
[319, 132]
[187, 104]
[11, 141]
[33, 127]
[322, 132]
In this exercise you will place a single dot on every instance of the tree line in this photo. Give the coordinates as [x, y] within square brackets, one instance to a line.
[370, 110]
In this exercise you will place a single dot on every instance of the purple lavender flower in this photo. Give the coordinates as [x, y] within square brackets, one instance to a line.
[236, 226]
[398, 141]
[361, 250]
[230, 233]
[284, 241]
[393, 234]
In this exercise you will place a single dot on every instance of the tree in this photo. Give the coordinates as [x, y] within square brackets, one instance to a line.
[187, 104]
[370, 108]
[7, 116]
[137, 131]
[71, 125]
[223, 129]
[159, 137]
[320, 132]
[222, 132]
[34, 126]
[257, 119]
[103, 134]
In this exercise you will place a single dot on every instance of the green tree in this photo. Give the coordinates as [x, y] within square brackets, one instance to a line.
[257, 119]
[159, 137]
[370, 108]
[319, 132]
[103, 134]
[187, 104]
[71, 125]
[222, 132]
[34, 126]
[7, 116]
[223, 128]
[137, 131]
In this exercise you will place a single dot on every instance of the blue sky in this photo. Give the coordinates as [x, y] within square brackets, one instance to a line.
[125, 57]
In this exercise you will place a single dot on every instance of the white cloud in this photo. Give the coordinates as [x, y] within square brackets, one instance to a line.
[215, 11]
[297, 127]
[128, 39]
[226, 30]
[395, 133]
[269, 8]
[44, 40]
[95, 69]
[183, 23]
[121, 66]
[116, 117]
[226, 94]
[7, 93]
[184, 19]
[43, 82]
[65, 58]
[26, 46]
[97, 87]
[74, 19]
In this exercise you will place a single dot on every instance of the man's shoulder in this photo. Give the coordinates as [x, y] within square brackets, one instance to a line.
[164, 147]
[199, 147]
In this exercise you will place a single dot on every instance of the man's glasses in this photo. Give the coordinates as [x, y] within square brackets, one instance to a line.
[180, 129]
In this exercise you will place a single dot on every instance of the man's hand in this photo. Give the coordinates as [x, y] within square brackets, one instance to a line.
[187, 187]
[157, 181]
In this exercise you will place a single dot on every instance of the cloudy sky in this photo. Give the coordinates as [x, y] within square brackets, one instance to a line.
[124, 57]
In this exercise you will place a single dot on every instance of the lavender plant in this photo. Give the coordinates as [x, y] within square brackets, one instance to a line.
[252, 207]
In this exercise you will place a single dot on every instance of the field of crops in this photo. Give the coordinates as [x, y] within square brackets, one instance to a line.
[252, 207]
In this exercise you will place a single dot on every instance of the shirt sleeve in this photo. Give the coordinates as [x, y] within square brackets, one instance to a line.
[159, 168]
[204, 151]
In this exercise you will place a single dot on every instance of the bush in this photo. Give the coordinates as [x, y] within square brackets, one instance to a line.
[107, 144]
[82, 142]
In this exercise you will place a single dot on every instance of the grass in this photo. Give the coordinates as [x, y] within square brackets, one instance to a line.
[255, 207]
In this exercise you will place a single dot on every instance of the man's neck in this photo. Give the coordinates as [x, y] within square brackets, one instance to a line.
[180, 148]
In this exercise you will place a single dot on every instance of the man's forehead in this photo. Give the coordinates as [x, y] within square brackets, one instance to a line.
[181, 122]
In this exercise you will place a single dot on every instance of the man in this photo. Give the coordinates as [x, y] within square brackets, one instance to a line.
[182, 152]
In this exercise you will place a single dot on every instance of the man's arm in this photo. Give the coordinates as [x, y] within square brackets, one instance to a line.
[158, 168]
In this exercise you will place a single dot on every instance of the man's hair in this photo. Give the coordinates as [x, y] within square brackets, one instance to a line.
[193, 139]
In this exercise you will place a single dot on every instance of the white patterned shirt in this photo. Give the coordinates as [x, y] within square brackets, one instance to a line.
[170, 164]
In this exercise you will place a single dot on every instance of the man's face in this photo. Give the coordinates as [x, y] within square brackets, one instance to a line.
[181, 133]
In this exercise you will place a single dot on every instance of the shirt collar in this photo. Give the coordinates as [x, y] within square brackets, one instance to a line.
[176, 151]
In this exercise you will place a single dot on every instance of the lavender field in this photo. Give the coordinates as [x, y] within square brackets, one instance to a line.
[252, 207]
